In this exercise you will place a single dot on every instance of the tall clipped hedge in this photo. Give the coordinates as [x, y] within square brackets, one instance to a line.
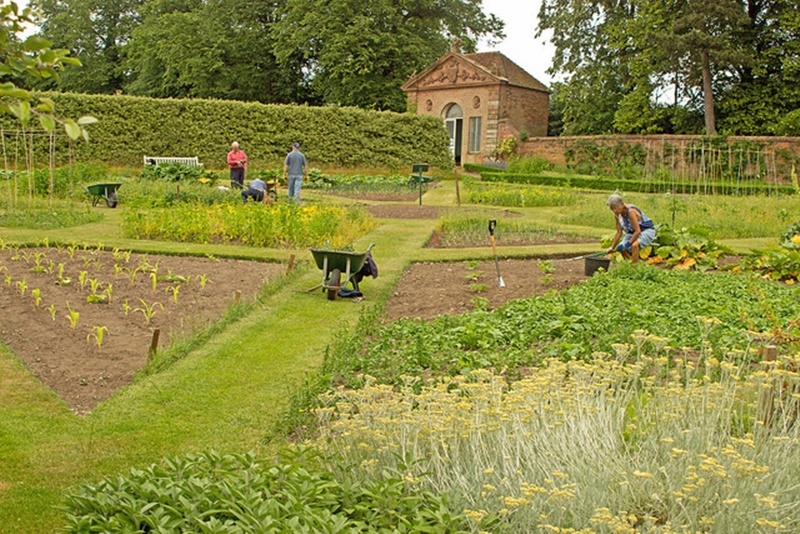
[130, 127]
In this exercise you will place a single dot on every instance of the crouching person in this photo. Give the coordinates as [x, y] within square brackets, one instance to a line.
[257, 190]
[635, 230]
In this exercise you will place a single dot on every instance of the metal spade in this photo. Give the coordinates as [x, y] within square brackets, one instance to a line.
[492, 226]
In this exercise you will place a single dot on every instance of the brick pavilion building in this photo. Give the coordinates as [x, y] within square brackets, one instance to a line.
[482, 98]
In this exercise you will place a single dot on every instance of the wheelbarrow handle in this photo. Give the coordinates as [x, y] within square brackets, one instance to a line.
[492, 226]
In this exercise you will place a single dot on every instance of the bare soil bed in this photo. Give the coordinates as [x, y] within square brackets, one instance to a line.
[426, 290]
[408, 196]
[415, 211]
[69, 360]
[401, 211]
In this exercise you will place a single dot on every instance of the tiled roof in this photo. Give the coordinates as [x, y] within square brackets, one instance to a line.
[502, 67]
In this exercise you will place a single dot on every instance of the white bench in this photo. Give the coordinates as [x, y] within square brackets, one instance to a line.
[156, 160]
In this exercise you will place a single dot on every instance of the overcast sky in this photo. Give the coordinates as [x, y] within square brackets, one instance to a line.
[533, 55]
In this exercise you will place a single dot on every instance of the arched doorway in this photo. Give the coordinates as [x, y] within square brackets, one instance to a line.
[454, 122]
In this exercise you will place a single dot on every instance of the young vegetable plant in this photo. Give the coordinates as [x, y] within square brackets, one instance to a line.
[98, 332]
[38, 258]
[82, 279]
[121, 255]
[546, 266]
[203, 279]
[22, 286]
[473, 276]
[132, 275]
[72, 317]
[94, 284]
[126, 308]
[174, 290]
[52, 310]
[148, 310]
[37, 296]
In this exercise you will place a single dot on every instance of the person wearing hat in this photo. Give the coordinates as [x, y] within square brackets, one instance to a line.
[295, 169]
[237, 161]
[633, 226]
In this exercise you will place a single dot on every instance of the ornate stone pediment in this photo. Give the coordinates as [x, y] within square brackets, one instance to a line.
[452, 71]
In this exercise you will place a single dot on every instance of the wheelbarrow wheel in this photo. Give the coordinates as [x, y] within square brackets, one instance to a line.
[112, 200]
[333, 280]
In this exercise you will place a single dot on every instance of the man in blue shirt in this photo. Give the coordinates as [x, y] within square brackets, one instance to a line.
[257, 190]
[295, 169]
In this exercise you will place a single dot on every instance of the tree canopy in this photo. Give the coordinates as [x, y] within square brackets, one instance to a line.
[360, 53]
[342, 52]
[675, 66]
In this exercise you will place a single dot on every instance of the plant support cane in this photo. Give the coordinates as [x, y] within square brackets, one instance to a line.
[492, 226]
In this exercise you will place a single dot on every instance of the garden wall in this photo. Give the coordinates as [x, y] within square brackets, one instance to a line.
[781, 152]
[131, 127]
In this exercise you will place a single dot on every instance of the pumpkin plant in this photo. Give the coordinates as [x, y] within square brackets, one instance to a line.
[790, 239]
[684, 249]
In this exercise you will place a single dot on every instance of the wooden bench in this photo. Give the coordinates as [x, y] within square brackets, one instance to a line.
[157, 160]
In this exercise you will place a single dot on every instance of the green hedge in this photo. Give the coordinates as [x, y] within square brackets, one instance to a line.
[613, 184]
[131, 127]
[481, 167]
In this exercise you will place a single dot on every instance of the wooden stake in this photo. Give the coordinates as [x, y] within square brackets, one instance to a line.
[290, 266]
[154, 344]
[237, 295]
[458, 192]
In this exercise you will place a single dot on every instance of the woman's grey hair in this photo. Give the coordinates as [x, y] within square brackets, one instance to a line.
[614, 201]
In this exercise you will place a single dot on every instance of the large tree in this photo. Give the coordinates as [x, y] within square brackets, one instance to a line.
[673, 59]
[592, 55]
[359, 53]
[210, 49]
[95, 31]
[767, 95]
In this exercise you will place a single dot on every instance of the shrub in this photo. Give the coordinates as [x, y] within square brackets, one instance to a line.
[529, 165]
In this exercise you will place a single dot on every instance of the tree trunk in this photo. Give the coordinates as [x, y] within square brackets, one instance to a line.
[708, 95]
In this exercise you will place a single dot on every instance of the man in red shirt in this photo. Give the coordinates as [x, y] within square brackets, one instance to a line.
[237, 161]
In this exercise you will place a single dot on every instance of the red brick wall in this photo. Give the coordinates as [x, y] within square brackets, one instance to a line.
[785, 149]
[524, 110]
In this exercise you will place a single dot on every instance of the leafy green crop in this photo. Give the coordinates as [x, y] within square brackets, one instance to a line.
[605, 310]
[211, 492]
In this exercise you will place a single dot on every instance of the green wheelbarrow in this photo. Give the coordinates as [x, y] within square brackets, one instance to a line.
[338, 269]
[106, 191]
